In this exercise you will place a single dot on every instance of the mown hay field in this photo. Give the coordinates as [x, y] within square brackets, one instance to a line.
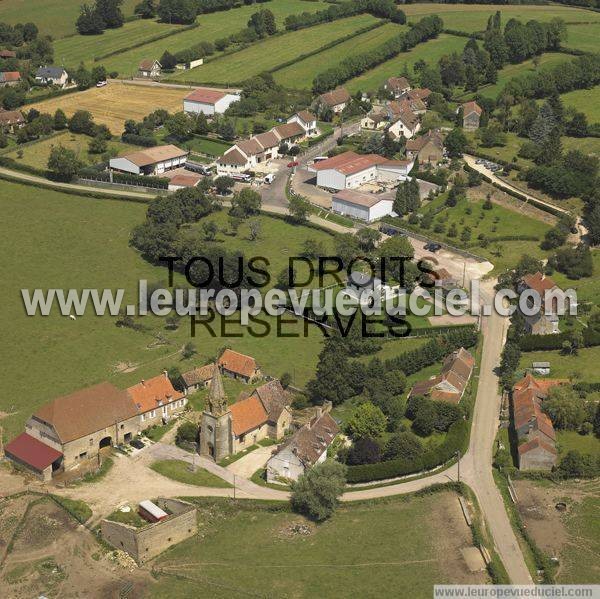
[273, 51]
[118, 102]
[300, 75]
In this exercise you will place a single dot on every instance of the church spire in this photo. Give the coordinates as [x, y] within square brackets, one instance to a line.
[217, 400]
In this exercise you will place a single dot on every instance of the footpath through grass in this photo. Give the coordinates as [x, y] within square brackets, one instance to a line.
[181, 472]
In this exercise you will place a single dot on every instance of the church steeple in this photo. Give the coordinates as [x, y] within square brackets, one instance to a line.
[217, 399]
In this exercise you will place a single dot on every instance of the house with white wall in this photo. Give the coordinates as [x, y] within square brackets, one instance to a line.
[362, 206]
[208, 101]
[406, 124]
[150, 161]
[307, 120]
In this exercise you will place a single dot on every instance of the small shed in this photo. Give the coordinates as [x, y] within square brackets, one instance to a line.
[542, 368]
[151, 512]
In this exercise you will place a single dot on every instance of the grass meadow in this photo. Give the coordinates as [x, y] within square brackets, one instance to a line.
[430, 52]
[580, 367]
[247, 548]
[586, 101]
[583, 36]
[267, 54]
[180, 471]
[300, 75]
[54, 240]
[53, 17]
[212, 26]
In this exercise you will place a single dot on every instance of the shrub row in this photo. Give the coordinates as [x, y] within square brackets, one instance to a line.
[456, 439]
[125, 178]
[139, 140]
[553, 342]
[11, 163]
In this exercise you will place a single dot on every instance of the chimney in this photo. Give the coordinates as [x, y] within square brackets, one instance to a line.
[166, 374]
[143, 382]
[319, 411]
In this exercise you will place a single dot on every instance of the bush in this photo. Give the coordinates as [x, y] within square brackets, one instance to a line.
[187, 432]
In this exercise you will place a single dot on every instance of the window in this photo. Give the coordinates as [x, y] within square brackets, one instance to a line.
[153, 414]
[91, 441]
[83, 455]
[122, 426]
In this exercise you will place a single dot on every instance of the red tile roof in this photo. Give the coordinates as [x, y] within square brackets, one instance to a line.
[335, 97]
[349, 163]
[190, 180]
[534, 444]
[233, 156]
[469, 107]
[154, 155]
[147, 64]
[9, 76]
[30, 450]
[8, 54]
[238, 363]
[247, 414]
[205, 96]
[199, 375]
[306, 116]
[289, 130]
[539, 282]
[398, 83]
[148, 395]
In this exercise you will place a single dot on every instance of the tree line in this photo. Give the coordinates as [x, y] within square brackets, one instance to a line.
[427, 28]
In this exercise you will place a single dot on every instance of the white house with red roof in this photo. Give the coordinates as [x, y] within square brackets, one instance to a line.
[208, 101]
[307, 120]
[553, 301]
[349, 170]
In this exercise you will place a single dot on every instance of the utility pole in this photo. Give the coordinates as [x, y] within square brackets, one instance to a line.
[234, 486]
[458, 464]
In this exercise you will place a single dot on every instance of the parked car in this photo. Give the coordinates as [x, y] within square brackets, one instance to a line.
[432, 246]
[269, 178]
[293, 164]
[101, 84]
[137, 443]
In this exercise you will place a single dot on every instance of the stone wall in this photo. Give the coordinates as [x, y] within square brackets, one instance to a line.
[147, 542]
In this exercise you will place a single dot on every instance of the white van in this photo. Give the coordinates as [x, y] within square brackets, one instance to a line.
[269, 178]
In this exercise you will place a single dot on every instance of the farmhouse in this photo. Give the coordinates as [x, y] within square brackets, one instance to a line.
[276, 403]
[198, 378]
[52, 76]
[537, 438]
[553, 299]
[78, 426]
[307, 120]
[451, 383]
[397, 86]
[7, 54]
[394, 107]
[290, 133]
[150, 69]
[208, 101]
[150, 161]
[362, 286]
[374, 121]
[471, 115]
[227, 429]
[239, 366]
[349, 170]
[420, 93]
[10, 78]
[428, 148]
[156, 400]
[406, 124]
[11, 120]
[303, 450]
[336, 100]
[362, 206]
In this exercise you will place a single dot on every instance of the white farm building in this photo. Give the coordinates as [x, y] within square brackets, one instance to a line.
[151, 161]
[349, 170]
[362, 206]
[208, 101]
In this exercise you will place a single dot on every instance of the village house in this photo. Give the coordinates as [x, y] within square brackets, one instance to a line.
[227, 429]
[397, 86]
[406, 124]
[6, 54]
[198, 378]
[11, 120]
[156, 400]
[428, 148]
[183, 180]
[336, 100]
[359, 283]
[419, 93]
[553, 299]
[374, 121]
[536, 434]
[150, 161]
[10, 78]
[362, 206]
[443, 279]
[396, 107]
[239, 366]
[149, 69]
[290, 133]
[307, 447]
[208, 101]
[471, 116]
[78, 427]
[307, 120]
[349, 170]
[51, 76]
[451, 383]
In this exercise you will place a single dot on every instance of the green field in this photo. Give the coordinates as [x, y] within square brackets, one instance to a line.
[588, 289]
[365, 550]
[54, 240]
[273, 51]
[180, 471]
[72, 50]
[473, 17]
[301, 74]
[53, 17]
[586, 101]
[37, 154]
[572, 441]
[212, 26]
[589, 145]
[584, 37]
[211, 147]
[581, 367]
[430, 52]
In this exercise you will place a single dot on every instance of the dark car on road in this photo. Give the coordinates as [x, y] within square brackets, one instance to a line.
[432, 246]
[137, 444]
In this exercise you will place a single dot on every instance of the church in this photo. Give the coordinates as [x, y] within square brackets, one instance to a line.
[227, 429]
